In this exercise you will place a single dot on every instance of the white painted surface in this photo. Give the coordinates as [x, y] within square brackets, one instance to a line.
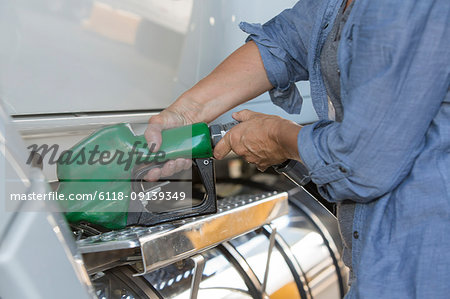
[65, 56]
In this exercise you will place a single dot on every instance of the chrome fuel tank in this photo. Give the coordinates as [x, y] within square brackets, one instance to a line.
[256, 246]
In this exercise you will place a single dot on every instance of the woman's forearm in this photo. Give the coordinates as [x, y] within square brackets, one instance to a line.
[239, 78]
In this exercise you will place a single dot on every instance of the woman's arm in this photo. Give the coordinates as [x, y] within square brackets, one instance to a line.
[282, 43]
[236, 80]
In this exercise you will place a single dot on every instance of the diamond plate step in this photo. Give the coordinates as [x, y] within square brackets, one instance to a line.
[164, 244]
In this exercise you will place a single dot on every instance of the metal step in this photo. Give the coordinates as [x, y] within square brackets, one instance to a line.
[167, 243]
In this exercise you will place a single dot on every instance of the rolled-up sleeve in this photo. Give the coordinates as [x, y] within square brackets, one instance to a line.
[394, 81]
[283, 44]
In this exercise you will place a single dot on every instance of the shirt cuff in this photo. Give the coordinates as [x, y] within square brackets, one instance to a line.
[285, 93]
[326, 174]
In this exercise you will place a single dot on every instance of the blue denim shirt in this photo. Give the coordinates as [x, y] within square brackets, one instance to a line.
[391, 152]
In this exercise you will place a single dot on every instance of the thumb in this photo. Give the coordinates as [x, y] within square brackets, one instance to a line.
[165, 120]
[243, 115]
[223, 147]
[153, 135]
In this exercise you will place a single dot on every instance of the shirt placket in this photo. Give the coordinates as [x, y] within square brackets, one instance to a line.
[317, 86]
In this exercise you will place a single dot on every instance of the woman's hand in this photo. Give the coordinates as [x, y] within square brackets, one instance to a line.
[174, 116]
[262, 139]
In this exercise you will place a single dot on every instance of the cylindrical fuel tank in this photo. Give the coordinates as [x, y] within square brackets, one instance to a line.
[296, 256]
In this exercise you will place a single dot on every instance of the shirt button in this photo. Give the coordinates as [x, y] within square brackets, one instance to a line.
[325, 26]
[356, 234]
[342, 169]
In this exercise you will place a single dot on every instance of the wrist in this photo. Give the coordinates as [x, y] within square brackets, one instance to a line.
[188, 109]
[287, 137]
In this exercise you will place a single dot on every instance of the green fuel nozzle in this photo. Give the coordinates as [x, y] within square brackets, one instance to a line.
[114, 160]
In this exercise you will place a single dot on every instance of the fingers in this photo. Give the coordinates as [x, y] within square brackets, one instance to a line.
[153, 175]
[233, 140]
[182, 164]
[168, 169]
[223, 147]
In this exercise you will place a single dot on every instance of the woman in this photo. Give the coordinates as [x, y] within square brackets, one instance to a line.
[379, 74]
